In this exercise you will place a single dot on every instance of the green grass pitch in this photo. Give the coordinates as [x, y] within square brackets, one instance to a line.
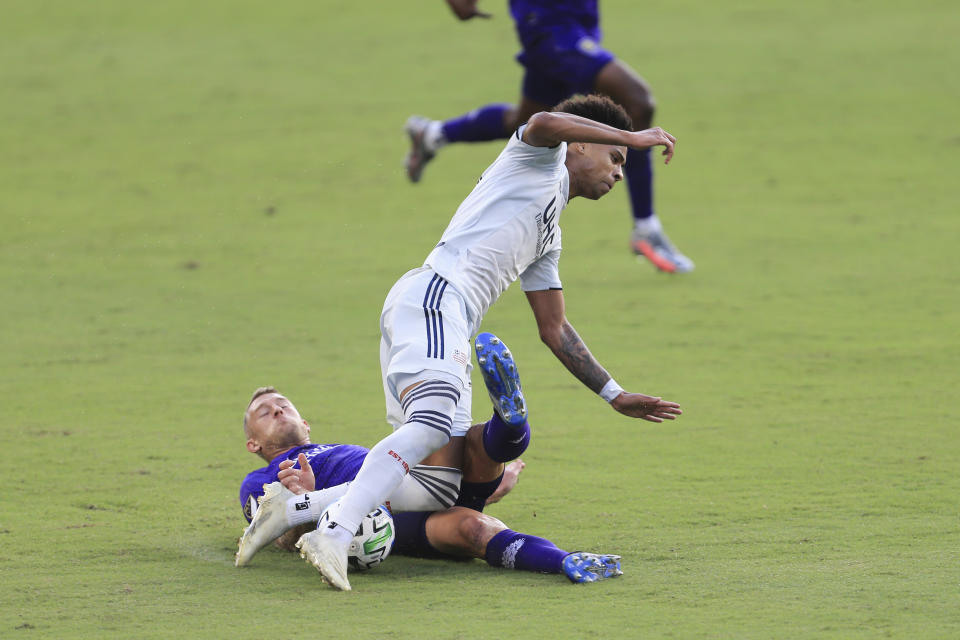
[199, 198]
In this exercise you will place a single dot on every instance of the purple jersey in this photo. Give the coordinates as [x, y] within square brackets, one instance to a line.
[332, 464]
[532, 16]
[561, 47]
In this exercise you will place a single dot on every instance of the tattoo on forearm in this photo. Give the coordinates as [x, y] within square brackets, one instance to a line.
[576, 357]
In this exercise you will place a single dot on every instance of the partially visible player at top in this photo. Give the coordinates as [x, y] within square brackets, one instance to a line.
[506, 229]
[561, 57]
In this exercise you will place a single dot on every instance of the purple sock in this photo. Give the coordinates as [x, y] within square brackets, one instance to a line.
[503, 442]
[639, 176]
[513, 550]
[480, 125]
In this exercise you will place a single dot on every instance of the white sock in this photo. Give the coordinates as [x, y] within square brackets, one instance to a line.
[429, 410]
[433, 137]
[339, 533]
[382, 472]
[310, 506]
[384, 469]
[647, 225]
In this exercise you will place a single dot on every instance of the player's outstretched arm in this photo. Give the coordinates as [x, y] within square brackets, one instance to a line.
[548, 129]
[466, 9]
[558, 334]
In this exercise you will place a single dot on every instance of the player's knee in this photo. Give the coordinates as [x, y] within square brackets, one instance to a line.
[476, 529]
[641, 110]
[440, 438]
[428, 411]
[420, 440]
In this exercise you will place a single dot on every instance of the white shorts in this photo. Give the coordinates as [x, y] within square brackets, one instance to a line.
[424, 334]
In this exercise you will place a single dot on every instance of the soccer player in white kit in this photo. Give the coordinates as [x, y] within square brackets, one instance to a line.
[506, 229]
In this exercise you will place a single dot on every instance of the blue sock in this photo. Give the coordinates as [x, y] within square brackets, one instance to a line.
[480, 125]
[639, 175]
[513, 550]
[503, 442]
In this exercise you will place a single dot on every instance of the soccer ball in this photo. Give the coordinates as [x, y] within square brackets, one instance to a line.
[373, 541]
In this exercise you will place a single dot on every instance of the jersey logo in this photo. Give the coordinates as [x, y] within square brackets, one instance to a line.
[588, 46]
[546, 227]
[303, 506]
[396, 455]
[509, 557]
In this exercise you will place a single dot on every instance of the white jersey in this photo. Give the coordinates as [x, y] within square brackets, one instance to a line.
[507, 228]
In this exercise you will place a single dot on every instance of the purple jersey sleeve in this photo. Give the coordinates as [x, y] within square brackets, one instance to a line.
[332, 464]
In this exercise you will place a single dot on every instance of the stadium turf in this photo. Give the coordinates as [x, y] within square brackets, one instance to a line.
[202, 198]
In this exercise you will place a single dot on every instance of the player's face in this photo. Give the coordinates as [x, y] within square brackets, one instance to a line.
[274, 422]
[601, 167]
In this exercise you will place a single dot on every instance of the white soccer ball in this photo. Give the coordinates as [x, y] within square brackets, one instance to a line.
[373, 541]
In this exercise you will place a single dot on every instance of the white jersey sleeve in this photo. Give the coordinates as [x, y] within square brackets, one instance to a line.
[543, 274]
[507, 226]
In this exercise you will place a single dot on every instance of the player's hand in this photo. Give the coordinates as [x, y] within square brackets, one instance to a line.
[638, 405]
[466, 9]
[511, 475]
[297, 480]
[655, 137]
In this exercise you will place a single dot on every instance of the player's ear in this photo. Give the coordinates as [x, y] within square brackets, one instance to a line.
[307, 425]
[253, 446]
[581, 147]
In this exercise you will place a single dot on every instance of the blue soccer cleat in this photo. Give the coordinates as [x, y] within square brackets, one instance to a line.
[502, 379]
[590, 567]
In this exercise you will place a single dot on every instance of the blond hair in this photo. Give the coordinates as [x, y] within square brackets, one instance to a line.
[262, 391]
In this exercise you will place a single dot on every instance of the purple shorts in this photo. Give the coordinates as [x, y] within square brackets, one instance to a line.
[560, 61]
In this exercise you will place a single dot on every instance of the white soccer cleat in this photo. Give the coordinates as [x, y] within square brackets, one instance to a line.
[269, 522]
[328, 556]
[422, 148]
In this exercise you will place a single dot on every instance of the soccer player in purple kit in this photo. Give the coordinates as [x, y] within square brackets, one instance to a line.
[282, 512]
[561, 56]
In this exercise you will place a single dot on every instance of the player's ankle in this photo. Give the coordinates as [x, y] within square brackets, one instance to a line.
[433, 138]
[650, 224]
[338, 532]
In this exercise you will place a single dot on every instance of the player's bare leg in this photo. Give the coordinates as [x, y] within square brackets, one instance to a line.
[524, 109]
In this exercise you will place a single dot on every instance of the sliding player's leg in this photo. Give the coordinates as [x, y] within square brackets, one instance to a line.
[464, 533]
[291, 506]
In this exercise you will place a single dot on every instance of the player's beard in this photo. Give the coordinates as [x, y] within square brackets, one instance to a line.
[287, 434]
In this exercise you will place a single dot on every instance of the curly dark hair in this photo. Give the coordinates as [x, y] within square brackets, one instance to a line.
[598, 108]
